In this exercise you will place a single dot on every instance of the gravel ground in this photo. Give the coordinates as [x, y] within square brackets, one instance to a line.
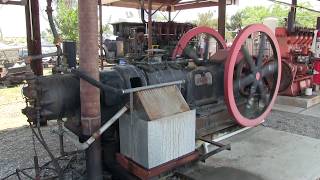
[294, 123]
[17, 148]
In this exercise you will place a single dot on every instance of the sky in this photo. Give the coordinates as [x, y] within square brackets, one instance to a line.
[12, 18]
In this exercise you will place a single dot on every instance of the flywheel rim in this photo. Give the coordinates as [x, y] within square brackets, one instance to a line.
[230, 70]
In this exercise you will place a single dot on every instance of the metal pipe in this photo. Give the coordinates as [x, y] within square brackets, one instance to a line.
[34, 57]
[132, 90]
[98, 133]
[293, 8]
[149, 24]
[59, 121]
[101, 34]
[51, 22]
[95, 83]
[142, 15]
[90, 95]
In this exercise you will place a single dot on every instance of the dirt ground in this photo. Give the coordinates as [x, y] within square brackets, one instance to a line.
[11, 104]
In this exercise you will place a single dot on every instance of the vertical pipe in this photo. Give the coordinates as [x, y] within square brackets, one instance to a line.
[169, 13]
[293, 9]
[28, 26]
[149, 24]
[292, 17]
[222, 18]
[90, 95]
[60, 128]
[34, 35]
[101, 34]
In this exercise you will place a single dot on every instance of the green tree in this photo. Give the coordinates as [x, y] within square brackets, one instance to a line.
[67, 21]
[206, 19]
[107, 29]
[235, 22]
[257, 14]
[281, 12]
[306, 18]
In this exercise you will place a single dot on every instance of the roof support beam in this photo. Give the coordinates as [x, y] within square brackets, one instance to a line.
[7, 2]
[222, 18]
[192, 5]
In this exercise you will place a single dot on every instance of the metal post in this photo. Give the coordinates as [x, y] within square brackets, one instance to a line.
[33, 35]
[293, 9]
[149, 24]
[169, 14]
[90, 95]
[101, 34]
[222, 18]
[292, 17]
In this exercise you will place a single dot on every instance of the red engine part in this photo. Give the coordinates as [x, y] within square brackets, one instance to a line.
[295, 51]
[316, 76]
[259, 73]
[185, 39]
[294, 79]
[262, 74]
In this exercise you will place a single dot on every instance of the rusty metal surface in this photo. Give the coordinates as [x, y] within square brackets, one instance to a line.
[143, 173]
[162, 102]
[90, 95]
[33, 35]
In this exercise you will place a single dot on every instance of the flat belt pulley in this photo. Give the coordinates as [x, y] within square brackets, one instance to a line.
[252, 69]
[251, 92]
[193, 33]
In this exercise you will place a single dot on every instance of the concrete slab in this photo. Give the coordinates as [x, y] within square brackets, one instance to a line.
[313, 111]
[286, 108]
[299, 101]
[264, 153]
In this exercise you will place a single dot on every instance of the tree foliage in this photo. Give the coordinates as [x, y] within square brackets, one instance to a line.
[206, 19]
[257, 14]
[67, 21]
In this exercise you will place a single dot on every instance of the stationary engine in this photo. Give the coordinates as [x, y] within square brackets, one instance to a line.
[224, 86]
[132, 42]
[296, 57]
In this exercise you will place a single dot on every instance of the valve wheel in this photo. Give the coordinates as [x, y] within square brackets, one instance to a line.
[252, 83]
[193, 33]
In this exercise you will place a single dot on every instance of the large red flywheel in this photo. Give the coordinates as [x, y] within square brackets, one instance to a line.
[191, 34]
[252, 83]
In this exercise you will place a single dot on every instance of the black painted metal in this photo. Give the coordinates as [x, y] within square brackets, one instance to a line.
[70, 53]
[60, 97]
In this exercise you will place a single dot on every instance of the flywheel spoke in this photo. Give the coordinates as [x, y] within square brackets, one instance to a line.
[261, 50]
[269, 69]
[263, 91]
[248, 57]
[243, 82]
